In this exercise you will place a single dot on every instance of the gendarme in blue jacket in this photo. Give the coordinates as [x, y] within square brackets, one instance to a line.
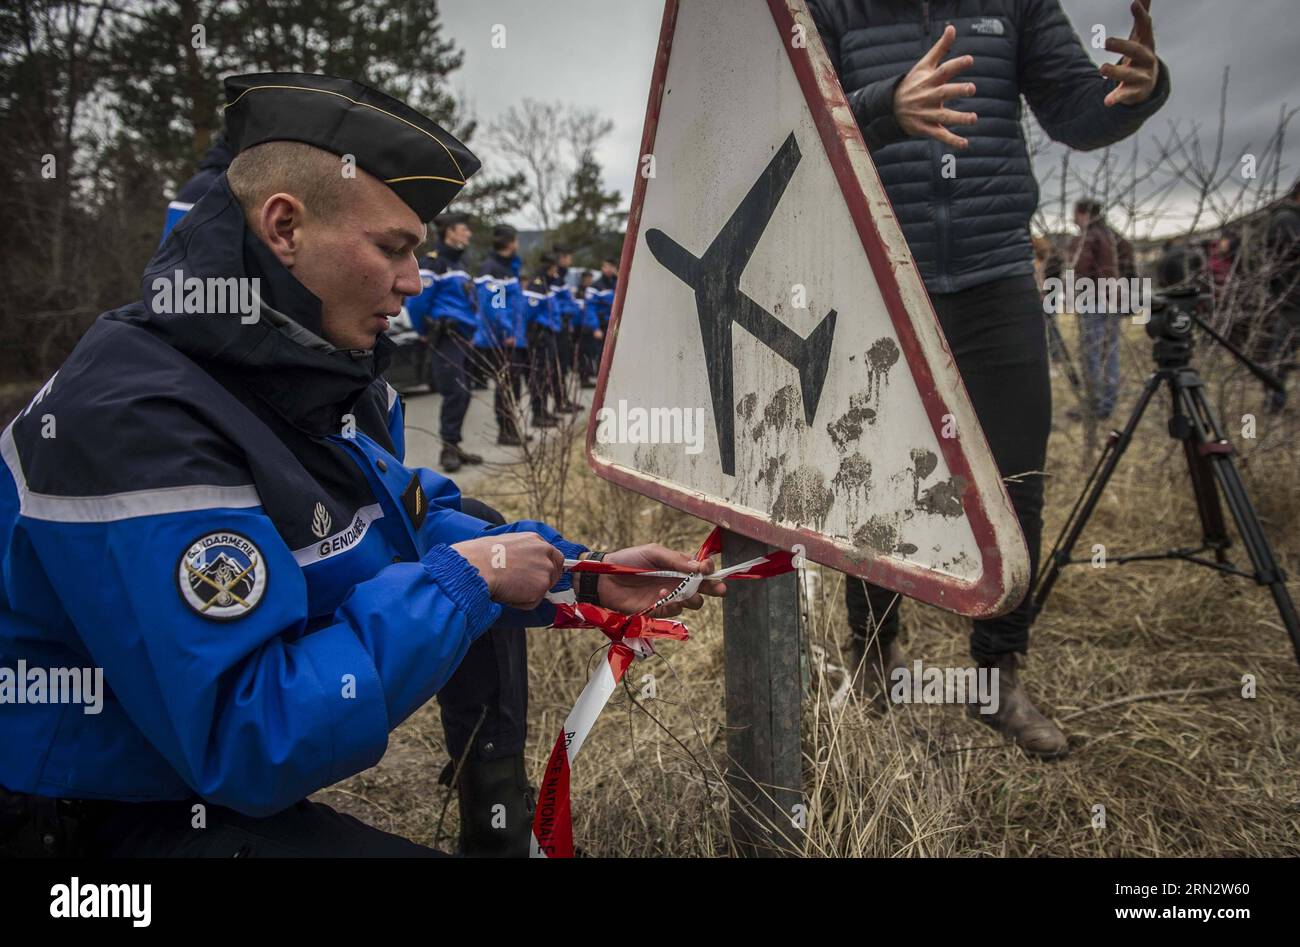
[543, 307]
[600, 300]
[569, 309]
[501, 301]
[449, 292]
[217, 515]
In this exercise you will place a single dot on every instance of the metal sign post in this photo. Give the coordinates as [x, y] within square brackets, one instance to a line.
[762, 644]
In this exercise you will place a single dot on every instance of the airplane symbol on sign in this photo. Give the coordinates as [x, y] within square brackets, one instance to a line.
[719, 302]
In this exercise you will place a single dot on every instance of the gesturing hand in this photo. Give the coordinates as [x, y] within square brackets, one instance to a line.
[1138, 70]
[631, 593]
[919, 98]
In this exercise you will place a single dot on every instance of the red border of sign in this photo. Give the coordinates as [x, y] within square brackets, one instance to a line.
[984, 598]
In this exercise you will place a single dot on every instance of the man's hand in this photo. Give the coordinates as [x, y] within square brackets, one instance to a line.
[1138, 71]
[598, 334]
[631, 593]
[919, 98]
[519, 568]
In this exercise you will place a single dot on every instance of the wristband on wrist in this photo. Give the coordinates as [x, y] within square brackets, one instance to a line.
[586, 584]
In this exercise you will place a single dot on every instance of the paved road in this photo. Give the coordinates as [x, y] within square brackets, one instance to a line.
[479, 436]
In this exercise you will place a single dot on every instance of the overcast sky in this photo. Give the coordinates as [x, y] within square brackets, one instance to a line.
[599, 54]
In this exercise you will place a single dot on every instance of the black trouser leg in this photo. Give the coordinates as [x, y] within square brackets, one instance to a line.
[304, 830]
[564, 340]
[505, 400]
[589, 354]
[478, 366]
[997, 336]
[487, 696]
[873, 611]
[448, 366]
[519, 373]
[543, 370]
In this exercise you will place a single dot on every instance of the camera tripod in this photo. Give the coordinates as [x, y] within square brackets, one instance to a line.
[1060, 353]
[1209, 462]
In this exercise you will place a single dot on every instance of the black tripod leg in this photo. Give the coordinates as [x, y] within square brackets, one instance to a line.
[1067, 362]
[1078, 520]
[1214, 446]
[1187, 425]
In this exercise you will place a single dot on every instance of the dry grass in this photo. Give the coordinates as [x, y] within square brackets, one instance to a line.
[1207, 775]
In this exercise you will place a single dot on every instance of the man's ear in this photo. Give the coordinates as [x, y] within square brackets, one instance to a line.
[280, 227]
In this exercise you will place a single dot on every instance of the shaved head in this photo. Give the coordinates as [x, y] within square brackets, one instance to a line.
[311, 174]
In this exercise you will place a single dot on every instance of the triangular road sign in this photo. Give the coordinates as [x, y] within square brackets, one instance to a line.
[773, 362]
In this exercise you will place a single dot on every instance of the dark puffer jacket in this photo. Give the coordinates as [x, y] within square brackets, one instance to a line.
[972, 226]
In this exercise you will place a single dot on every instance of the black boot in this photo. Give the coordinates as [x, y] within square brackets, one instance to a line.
[512, 438]
[450, 459]
[467, 458]
[496, 809]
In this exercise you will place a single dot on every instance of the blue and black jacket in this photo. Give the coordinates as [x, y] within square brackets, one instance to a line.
[570, 309]
[501, 302]
[543, 308]
[449, 294]
[600, 300]
[213, 163]
[215, 512]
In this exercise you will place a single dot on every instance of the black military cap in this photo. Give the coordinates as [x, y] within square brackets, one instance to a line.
[424, 165]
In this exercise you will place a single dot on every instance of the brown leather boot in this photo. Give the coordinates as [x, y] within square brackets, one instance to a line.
[1017, 717]
[872, 668]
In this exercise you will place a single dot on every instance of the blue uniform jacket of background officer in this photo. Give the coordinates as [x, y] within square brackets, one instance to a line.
[501, 302]
[221, 520]
[543, 307]
[448, 295]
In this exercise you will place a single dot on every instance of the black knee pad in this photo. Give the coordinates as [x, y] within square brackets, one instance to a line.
[480, 510]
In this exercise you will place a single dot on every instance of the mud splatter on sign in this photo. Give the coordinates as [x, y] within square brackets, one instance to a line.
[876, 534]
[923, 464]
[647, 459]
[854, 475]
[771, 468]
[847, 428]
[745, 409]
[881, 357]
[784, 410]
[852, 484]
[804, 498]
[943, 498]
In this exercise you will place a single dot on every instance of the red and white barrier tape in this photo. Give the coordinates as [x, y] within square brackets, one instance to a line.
[630, 637]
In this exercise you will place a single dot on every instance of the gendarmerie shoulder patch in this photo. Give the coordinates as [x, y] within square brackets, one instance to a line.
[222, 575]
